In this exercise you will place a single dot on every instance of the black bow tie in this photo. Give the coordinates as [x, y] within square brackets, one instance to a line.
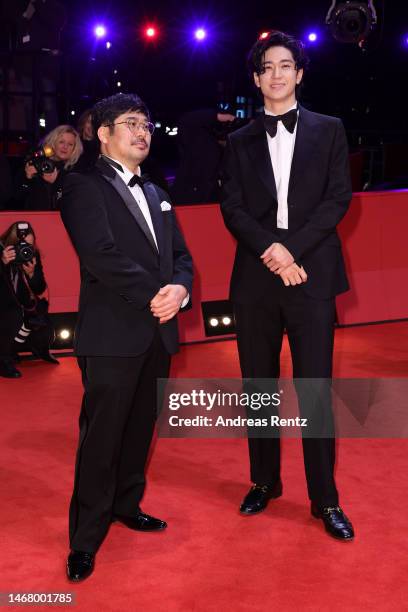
[135, 180]
[289, 120]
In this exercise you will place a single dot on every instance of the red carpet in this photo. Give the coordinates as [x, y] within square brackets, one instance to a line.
[210, 558]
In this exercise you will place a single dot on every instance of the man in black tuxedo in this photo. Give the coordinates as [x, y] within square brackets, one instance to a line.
[136, 274]
[287, 186]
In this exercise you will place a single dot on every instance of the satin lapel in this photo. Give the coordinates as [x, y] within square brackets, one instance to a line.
[153, 201]
[305, 146]
[258, 150]
[132, 205]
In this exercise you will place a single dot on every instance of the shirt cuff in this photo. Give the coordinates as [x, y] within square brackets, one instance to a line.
[185, 301]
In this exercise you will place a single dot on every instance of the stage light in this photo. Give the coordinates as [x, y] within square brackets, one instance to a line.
[42, 122]
[64, 334]
[218, 318]
[263, 35]
[72, 112]
[200, 34]
[100, 31]
[351, 22]
[150, 32]
[108, 44]
[157, 124]
[119, 84]
[312, 37]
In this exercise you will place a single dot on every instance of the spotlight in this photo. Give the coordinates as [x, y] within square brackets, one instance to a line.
[72, 112]
[150, 32]
[218, 318]
[42, 122]
[312, 37]
[263, 35]
[100, 31]
[200, 34]
[64, 334]
[119, 84]
[351, 22]
[108, 44]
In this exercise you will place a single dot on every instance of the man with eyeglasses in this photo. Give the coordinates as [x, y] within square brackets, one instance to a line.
[287, 186]
[136, 274]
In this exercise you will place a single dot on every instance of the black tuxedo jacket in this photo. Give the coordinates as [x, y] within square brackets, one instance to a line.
[319, 195]
[121, 269]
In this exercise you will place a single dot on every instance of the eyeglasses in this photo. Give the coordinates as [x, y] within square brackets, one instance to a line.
[134, 126]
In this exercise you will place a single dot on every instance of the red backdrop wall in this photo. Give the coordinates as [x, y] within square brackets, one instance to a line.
[374, 244]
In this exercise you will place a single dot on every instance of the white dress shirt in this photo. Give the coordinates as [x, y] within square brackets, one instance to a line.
[137, 193]
[139, 196]
[281, 149]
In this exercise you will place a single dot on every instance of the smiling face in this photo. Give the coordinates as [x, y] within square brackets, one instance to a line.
[128, 143]
[64, 146]
[279, 79]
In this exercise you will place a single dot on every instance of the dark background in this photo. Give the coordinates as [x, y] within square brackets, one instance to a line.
[174, 74]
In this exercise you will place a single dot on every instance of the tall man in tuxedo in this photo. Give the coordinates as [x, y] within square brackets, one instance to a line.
[287, 187]
[136, 274]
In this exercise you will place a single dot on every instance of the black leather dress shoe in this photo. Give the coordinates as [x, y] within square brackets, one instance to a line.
[8, 370]
[258, 497]
[335, 521]
[45, 355]
[80, 565]
[141, 522]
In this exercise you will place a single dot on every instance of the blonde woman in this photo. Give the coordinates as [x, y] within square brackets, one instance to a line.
[40, 189]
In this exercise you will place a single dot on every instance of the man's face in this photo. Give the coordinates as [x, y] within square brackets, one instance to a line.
[128, 140]
[280, 76]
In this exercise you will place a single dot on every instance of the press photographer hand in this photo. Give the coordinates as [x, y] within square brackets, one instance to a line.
[8, 255]
[30, 171]
[29, 267]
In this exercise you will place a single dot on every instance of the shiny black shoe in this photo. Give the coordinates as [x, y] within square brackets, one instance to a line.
[258, 497]
[141, 522]
[45, 356]
[335, 521]
[8, 370]
[80, 565]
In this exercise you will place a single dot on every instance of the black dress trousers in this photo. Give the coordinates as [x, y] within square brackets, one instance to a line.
[116, 423]
[309, 324]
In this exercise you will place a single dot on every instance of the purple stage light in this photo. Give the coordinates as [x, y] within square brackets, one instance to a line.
[200, 34]
[312, 37]
[100, 31]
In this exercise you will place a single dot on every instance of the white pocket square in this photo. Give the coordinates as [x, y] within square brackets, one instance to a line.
[165, 206]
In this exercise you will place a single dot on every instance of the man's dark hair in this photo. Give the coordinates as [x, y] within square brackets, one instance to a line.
[106, 111]
[276, 39]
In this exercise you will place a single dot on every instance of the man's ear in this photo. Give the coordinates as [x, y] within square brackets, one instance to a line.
[299, 76]
[256, 79]
[103, 133]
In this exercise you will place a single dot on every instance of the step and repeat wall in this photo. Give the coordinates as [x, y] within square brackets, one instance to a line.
[374, 244]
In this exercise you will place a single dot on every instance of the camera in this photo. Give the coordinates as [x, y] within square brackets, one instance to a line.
[40, 159]
[24, 250]
[351, 21]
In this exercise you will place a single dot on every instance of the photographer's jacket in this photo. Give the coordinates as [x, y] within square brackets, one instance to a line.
[121, 267]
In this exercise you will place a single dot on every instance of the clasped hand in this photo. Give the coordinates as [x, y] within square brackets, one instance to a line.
[279, 260]
[167, 302]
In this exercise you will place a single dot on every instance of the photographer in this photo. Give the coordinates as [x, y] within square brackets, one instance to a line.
[39, 187]
[201, 150]
[24, 322]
